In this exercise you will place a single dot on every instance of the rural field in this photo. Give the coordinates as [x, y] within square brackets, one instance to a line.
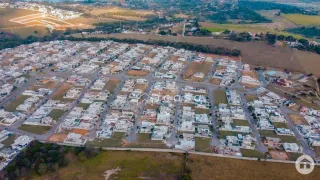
[150, 165]
[255, 53]
[304, 20]
[276, 27]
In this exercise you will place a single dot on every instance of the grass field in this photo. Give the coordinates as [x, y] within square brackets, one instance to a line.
[133, 165]
[219, 96]
[169, 166]
[248, 28]
[305, 20]
[34, 129]
[203, 144]
[56, 114]
[11, 107]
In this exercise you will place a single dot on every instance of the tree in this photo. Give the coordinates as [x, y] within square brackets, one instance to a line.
[42, 168]
[163, 33]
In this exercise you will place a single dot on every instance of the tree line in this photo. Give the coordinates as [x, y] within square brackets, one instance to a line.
[44, 158]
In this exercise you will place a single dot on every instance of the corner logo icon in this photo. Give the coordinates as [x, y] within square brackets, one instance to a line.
[304, 164]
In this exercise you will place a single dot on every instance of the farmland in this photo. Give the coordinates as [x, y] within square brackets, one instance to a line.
[304, 20]
[277, 28]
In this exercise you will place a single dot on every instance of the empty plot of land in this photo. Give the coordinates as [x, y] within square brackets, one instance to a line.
[196, 67]
[251, 153]
[203, 144]
[61, 91]
[287, 139]
[112, 84]
[11, 106]
[298, 120]
[137, 73]
[144, 141]
[219, 96]
[9, 13]
[56, 114]
[35, 129]
[117, 140]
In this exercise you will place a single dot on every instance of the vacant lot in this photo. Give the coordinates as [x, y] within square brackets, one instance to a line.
[144, 141]
[305, 20]
[56, 114]
[117, 140]
[133, 165]
[288, 139]
[219, 96]
[35, 129]
[9, 13]
[203, 144]
[223, 134]
[251, 153]
[204, 168]
[269, 56]
[298, 120]
[61, 92]
[11, 107]
[196, 67]
[169, 166]
[111, 85]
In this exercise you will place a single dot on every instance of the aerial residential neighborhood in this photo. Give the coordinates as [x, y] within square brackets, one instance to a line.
[134, 95]
[159, 89]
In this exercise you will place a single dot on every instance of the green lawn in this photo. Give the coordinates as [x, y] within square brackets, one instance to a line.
[219, 96]
[56, 114]
[35, 129]
[251, 153]
[203, 144]
[115, 141]
[11, 107]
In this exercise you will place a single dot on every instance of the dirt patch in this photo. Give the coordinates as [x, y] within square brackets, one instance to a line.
[110, 172]
[298, 120]
[80, 131]
[61, 91]
[57, 137]
[249, 86]
[252, 74]
[137, 73]
[215, 81]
